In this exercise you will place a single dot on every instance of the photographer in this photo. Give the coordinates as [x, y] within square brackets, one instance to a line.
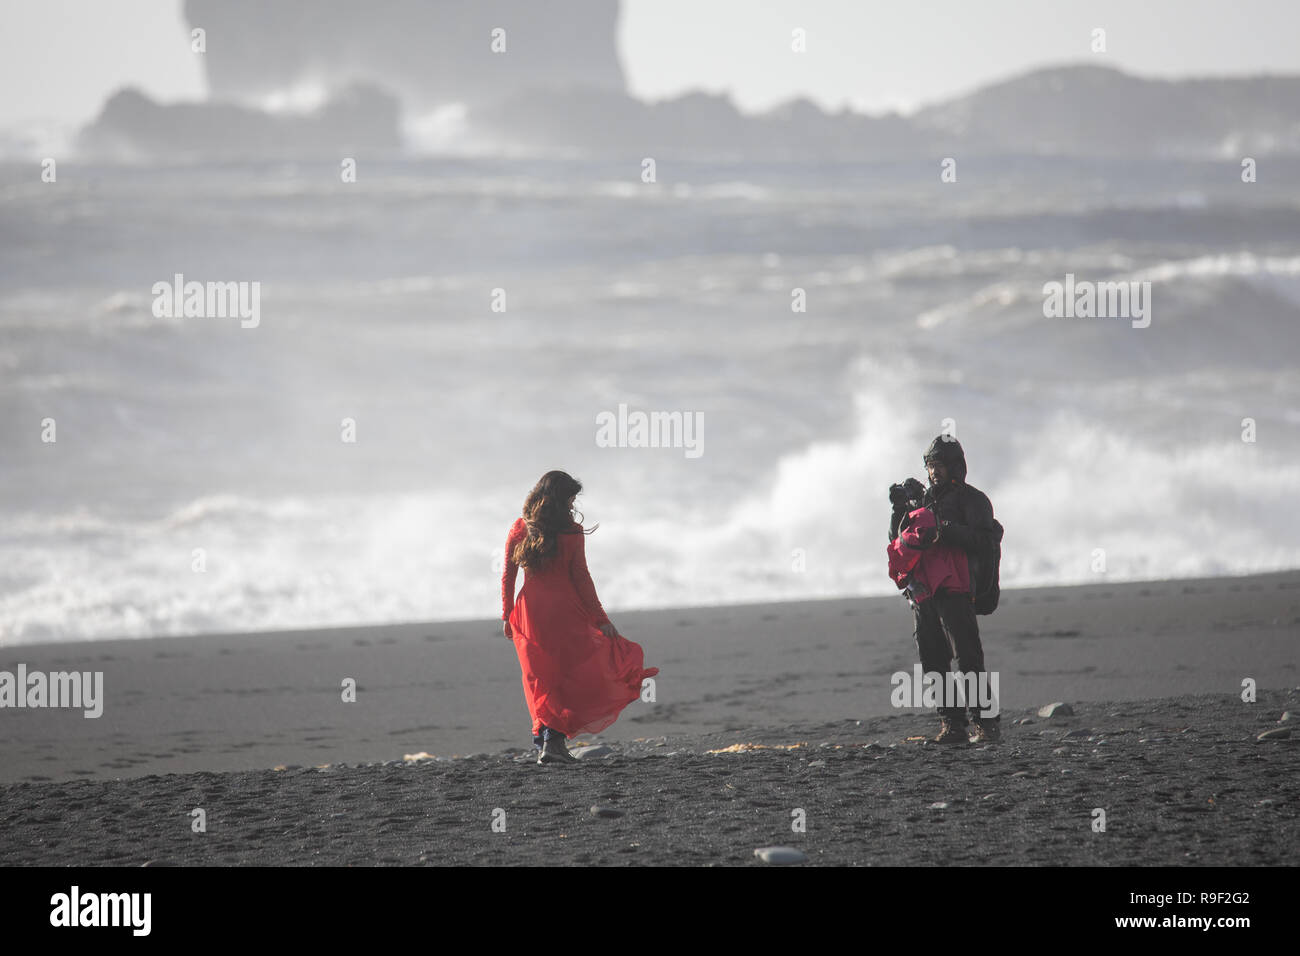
[945, 624]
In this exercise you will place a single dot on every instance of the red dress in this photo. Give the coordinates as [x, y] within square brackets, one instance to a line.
[576, 680]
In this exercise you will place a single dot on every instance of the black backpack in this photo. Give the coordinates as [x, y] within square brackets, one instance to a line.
[985, 584]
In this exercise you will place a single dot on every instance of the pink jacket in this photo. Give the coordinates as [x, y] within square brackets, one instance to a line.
[922, 568]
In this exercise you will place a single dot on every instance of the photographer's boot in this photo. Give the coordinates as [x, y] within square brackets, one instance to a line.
[951, 732]
[986, 731]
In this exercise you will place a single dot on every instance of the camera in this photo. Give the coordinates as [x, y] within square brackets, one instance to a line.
[907, 496]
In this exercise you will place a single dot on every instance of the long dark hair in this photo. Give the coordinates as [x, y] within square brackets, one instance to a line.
[546, 513]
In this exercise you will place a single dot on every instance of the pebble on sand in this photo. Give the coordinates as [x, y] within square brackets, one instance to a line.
[595, 750]
[609, 813]
[1057, 709]
[780, 855]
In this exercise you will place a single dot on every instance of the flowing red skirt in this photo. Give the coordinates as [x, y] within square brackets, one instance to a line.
[576, 680]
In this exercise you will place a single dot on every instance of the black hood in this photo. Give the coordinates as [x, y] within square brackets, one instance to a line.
[948, 450]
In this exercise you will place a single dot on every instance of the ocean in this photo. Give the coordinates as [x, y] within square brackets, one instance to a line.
[468, 321]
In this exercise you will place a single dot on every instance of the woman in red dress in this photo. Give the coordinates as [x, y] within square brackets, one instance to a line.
[578, 671]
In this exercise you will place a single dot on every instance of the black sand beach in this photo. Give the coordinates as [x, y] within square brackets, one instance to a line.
[1182, 781]
[796, 698]
[255, 701]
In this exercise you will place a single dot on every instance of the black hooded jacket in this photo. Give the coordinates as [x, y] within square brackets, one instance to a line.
[965, 513]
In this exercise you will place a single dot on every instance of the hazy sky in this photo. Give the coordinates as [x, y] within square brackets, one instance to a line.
[59, 58]
[904, 53]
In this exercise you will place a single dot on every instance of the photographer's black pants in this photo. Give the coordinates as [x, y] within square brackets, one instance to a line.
[946, 628]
